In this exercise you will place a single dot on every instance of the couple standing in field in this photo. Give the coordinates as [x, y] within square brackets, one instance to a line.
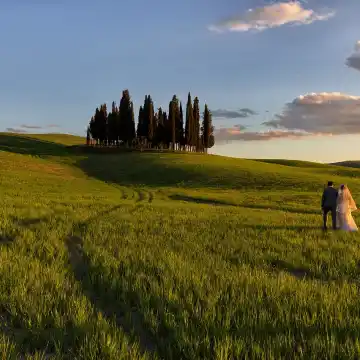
[340, 204]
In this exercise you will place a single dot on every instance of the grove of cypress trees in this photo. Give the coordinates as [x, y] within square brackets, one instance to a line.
[156, 129]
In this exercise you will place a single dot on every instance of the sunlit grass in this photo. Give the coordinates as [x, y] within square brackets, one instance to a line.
[171, 256]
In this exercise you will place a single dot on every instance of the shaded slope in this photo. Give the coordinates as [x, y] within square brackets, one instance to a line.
[353, 164]
[182, 170]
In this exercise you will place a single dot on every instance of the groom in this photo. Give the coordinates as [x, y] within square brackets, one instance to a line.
[328, 204]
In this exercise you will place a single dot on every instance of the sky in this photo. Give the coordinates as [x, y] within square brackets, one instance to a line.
[282, 78]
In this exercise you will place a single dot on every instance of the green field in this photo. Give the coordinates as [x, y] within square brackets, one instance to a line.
[171, 256]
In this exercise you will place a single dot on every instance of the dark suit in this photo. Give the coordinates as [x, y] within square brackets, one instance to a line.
[328, 204]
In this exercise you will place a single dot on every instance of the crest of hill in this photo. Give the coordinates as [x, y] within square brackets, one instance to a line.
[178, 169]
[352, 164]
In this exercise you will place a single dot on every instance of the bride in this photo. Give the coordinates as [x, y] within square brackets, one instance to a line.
[345, 206]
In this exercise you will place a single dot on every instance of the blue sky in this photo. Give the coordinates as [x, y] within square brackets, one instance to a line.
[59, 61]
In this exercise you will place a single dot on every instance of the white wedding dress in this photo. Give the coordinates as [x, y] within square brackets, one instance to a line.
[345, 206]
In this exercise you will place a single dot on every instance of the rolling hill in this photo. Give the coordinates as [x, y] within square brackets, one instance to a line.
[170, 256]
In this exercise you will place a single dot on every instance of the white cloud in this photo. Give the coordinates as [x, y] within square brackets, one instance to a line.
[328, 113]
[271, 16]
[353, 60]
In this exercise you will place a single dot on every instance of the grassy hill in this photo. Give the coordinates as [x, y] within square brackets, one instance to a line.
[353, 164]
[170, 256]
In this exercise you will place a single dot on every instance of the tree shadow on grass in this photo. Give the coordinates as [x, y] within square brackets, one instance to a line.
[298, 272]
[100, 291]
[127, 306]
[31, 146]
[199, 200]
[6, 239]
[144, 169]
[49, 338]
[124, 168]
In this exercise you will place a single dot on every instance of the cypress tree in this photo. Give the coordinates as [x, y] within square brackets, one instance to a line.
[127, 119]
[92, 126]
[195, 138]
[131, 129]
[150, 119]
[167, 130]
[160, 128]
[189, 122]
[172, 119]
[112, 125]
[140, 124]
[102, 127]
[180, 128]
[207, 136]
[88, 136]
[145, 120]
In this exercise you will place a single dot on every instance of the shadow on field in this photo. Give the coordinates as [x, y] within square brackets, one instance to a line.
[100, 290]
[31, 146]
[26, 332]
[29, 222]
[303, 273]
[198, 200]
[282, 227]
[126, 169]
[298, 272]
[145, 169]
[45, 339]
[6, 239]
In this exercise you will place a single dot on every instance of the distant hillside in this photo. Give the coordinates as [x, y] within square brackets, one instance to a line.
[351, 163]
[180, 170]
[293, 163]
[63, 139]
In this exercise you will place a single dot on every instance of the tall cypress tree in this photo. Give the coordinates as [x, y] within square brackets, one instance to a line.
[92, 126]
[180, 127]
[172, 119]
[127, 119]
[150, 119]
[189, 122]
[88, 136]
[145, 120]
[140, 124]
[195, 138]
[160, 135]
[167, 130]
[207, 130]
[131, 129]
[102, 127]
[112, 125]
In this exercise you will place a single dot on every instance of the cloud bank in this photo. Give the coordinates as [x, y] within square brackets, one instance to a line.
[232, 114]
[353, 60]
[314, 114]
[329, 113]
[30, 126]
[271, 16]
[14, 130]
[227, 135]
